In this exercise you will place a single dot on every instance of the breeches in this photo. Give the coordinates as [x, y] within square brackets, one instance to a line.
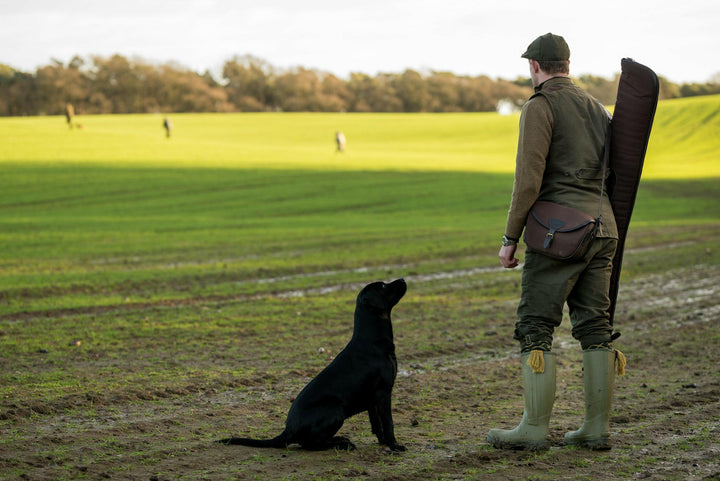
[547, 284]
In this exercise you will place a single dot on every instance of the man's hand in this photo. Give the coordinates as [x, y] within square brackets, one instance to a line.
[507, 257]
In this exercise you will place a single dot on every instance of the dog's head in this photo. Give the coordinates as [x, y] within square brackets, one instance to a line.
[380, 296]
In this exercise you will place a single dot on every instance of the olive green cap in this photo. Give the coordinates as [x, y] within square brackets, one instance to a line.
[548, 47]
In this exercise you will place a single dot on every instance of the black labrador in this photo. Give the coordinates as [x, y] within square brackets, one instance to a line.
[359, 379]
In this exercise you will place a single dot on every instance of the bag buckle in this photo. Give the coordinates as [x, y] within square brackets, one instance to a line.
[548, 239]
[555, 224]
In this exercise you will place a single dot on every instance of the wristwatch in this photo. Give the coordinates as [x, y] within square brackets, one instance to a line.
[509, 241]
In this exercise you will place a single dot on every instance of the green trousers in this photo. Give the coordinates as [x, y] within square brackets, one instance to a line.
[547, 284]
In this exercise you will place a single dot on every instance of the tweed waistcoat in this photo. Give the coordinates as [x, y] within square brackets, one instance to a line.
[573, 169]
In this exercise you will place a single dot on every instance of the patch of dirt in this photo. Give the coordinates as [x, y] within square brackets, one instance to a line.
[665, 420]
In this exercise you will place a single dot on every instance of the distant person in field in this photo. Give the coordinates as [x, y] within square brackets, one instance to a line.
[340, 141]
[559, 159]
[69, 114]
[167, 124]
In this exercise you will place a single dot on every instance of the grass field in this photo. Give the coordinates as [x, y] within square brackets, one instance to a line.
[157, 294]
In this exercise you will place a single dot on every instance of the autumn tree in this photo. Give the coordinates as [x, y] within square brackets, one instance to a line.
[605, 90]
[374, 94]
[117, 84]
[17, 92]
[56, 85]
[248, 83]
[444, 90]
[412, 91]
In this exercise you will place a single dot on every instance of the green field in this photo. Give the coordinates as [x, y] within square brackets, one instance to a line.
[154, 285]
[683, 145]
[115, 213]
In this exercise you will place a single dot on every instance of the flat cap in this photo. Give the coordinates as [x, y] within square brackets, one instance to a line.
[548, 47]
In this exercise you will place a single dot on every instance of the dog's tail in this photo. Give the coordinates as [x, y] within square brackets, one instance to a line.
[280, 441]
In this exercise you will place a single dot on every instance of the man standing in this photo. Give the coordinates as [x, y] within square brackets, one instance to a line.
[559, 159]
[167, 125]
[69, 114]
[340, 141]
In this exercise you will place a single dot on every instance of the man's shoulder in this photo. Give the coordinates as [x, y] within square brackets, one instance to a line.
[537, 104]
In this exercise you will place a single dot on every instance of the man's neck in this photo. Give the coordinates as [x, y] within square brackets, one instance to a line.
[549, 77]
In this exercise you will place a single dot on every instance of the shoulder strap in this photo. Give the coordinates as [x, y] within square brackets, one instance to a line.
[606, 159]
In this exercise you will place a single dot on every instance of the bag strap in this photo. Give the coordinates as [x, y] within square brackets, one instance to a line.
[606, 161]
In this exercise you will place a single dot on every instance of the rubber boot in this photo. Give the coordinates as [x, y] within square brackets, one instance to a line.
[599, 380]
[532, 431]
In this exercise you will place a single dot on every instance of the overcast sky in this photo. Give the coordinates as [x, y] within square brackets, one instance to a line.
[678, 39]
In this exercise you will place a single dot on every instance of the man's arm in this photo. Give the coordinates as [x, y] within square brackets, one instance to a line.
[536, 122]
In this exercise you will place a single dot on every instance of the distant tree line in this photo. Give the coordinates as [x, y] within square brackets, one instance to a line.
[120, 85]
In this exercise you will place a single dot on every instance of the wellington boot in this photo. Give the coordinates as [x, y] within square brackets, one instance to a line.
[532, 431]
[599, 381]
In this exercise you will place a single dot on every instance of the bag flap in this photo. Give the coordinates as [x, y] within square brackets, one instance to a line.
[558, 217]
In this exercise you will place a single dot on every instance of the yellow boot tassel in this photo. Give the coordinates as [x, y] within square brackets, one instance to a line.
[536, 361]
[621, 362]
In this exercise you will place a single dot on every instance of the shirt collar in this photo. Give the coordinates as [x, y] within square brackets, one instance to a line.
[559, 78]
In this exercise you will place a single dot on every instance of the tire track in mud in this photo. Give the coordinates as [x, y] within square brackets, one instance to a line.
[319, 290]
[682, 297]
[322, 289]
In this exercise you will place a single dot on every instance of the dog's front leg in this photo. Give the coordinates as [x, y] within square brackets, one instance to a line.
[385, 431]
[375, 422]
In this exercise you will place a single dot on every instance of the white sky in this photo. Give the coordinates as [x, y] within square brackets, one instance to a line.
[679, 39]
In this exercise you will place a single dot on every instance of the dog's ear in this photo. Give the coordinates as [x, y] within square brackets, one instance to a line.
[372, 296]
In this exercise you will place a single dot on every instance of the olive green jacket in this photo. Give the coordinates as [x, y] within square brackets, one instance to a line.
[560, 155]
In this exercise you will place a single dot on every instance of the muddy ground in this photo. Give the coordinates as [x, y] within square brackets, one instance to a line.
[454, 384]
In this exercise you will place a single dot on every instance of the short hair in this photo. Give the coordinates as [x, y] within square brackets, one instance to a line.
[554, 66]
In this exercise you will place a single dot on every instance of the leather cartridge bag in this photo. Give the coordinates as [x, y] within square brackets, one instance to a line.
[559, 232]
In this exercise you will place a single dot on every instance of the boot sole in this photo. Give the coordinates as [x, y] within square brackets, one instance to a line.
[602, 444]
[524, 446]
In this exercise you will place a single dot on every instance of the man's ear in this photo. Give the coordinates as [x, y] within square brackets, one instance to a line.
[534, 66]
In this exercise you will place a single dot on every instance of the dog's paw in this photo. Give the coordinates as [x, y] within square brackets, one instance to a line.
[397, 448]
[342, 443]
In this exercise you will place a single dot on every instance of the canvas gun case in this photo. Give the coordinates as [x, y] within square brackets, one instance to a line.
[632, 121]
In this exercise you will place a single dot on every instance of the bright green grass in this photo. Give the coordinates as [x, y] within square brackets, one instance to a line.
[684, 144]
[685, 141]
[115, 233]
[475, 142]
[115, 213]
